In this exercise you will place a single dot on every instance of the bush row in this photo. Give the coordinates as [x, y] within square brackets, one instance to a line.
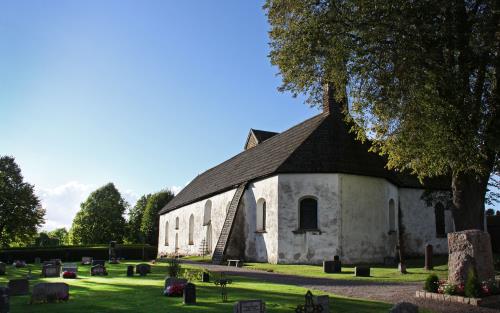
[75, 253]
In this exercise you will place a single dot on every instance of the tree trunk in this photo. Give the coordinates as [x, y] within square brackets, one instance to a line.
[469, 191]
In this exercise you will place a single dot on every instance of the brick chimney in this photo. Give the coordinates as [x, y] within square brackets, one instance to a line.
[330, 104]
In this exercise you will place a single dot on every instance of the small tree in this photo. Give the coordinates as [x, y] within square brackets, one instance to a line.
[100, 219]
[472, 286]
[134, 233]
[151, 220]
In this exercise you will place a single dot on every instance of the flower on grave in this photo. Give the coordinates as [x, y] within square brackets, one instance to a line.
[174, 290]
[70, 275]
[460, 289]
[489, 287]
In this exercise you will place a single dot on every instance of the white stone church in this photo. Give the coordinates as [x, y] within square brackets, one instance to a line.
[303, 196]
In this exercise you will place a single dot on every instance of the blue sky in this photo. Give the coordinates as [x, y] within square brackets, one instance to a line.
[145, 94]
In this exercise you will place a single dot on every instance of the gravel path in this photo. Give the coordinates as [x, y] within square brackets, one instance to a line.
[391, 292]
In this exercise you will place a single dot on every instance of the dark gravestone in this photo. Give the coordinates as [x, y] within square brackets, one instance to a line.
[130, 270]
[250, 306]
[324, 302]
[3, 268]
[143, 268]
[4, 300]
[19, 287]
[309, 306]
[38, 260]
[190, 294]
[328, 267]
[51, 270]
[98, 262]
[205, 277]
[428, 257]
[112, 250]
[98, 270]
[362, 271]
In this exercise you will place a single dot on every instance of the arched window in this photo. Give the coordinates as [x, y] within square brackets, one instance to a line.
[176, 242]
[191, 229]
[392, 216]
[308, 214]
[166, 233]
[261, 215]
[440, 221]
[207, 216]
[177, 223]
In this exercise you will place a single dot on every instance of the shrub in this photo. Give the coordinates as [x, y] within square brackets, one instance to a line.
[173, 268]
[431, 283]
[449, 289]
[472, 286]
[192, 274]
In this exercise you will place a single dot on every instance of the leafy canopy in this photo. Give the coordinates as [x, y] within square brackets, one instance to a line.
[20, 209]
[422, 76]
[151, 220]
[100, 219]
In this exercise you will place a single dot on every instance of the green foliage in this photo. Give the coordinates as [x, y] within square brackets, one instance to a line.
[134, 233]
[100, 219]
[431, 283]
[20, 209]
[150, 219]
[61, 234]
[421, 76]
[173, 267]
[57, 237]
[472, 286]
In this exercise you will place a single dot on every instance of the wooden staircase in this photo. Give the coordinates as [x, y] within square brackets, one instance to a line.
[227, 228]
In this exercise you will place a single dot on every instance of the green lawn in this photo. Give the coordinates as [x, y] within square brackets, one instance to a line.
[380, 273]
[118, 293]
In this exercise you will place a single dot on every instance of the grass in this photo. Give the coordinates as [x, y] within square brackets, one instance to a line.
[379, 273]
[118, 293]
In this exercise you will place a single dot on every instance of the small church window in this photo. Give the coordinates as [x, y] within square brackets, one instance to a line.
[261, 215]
[308, 215]
[440, 220]
[207, 214]
[166, 233]
[392, 216]
[191, 230]
[177, 223]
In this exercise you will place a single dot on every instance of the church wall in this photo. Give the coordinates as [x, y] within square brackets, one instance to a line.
[308, 247]
[262, 246]
[365, 223]
[220, 204]
[420, 223]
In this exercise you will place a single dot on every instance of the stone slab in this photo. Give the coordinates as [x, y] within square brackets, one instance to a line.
[362, 271]
[19, 287]
[249, 306]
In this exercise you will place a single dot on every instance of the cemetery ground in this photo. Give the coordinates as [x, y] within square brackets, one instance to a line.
[119, 293]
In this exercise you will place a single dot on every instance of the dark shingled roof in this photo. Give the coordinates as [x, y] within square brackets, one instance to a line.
[321, 144]
[262, 135]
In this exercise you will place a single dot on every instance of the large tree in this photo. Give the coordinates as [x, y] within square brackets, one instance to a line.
[20, 210]
[100, 219]
[422, 78]
[151, 220]
[135, 215]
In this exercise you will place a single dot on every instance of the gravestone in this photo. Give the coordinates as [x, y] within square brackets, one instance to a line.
[51, 270]
[4, 300]
[362, 271]
[309, 306]
[337, 265]
[3, 268]
[190, 294]
[112, 250]
[249, 306]
[324, 302]
[205, 277]
[143, 269]
[19, 287]
[49, 292]
[98, 262]
[404, 307]
[469, 249]
[328, 267]
[130, 270]
[38, 260]
[70, 267]
[428, 257]
[19, 263]
[86, 260]
[98, 270]
[56, 261]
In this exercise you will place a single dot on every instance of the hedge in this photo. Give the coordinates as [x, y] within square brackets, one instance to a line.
[75, 253]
